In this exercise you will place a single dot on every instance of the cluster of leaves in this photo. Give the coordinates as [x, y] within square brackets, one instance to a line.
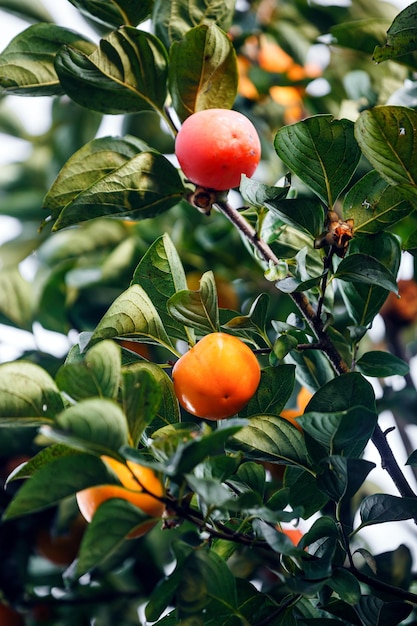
[222, 538]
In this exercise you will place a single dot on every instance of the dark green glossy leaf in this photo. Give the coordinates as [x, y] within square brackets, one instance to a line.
[125, 74]
[304, 213]
[341, 477]
[275, 388]
[56, 480]
[313, 368]
[364, 301]
[345, 585]
[381, 507]
[362, 268]
[340, 432]
[26, 391]
[133, 190]
[114, 14]
[374, 612]
[132, 313]
[27, 64]
[95, 423]
[96, 160]
[161, 274]
[142, 396]
[197, 309]
[299, 482]
[381, 364]
[374, 205]
[210, 80]
[174, 19]
[112, 521]
[342, 393]
[258, 194]
[277, 540]
[165, 403]
[255, 320]
[97, 375]
[270, 438]
[322, 151]
[386, 137]
[401, 36]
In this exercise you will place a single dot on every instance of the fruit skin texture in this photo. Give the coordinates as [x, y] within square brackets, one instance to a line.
[215, 147]
[217, 377]
[90, 499]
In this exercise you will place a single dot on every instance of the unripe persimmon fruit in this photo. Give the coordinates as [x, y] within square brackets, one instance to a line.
[217, 377]
[90, 499]
[215, 147]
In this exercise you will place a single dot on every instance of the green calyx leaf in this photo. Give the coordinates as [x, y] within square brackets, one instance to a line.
[322, 152]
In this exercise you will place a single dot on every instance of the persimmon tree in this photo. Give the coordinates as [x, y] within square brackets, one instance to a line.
[311, 244]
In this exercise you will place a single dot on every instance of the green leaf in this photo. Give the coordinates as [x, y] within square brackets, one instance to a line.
[161, 274]
[93, 424]
[197, 309]
[16, 298]
[312, 367]
[257, 193]
[381, 364]
[27, 64]
[385, 135]
[210, 79]
[88, 165]
[125, 74]
[380, 508]
[112, 522]
[300, 482]
[277, 540]
[274, 390]
[56, 480]
[341, 477]
[340, 432]
[360, 34]
[27, 390]
[364, 301]
[205, 577]
[97, 375]
[322, 152]
[401, 36]
[133, 190]
[132, 313]
[362, 268]
[374, 205]
[255, 320]
[142, 396]
[30, 10]
[304, 213]
[166, 407]
[374, 612]
[270, 438]
[173, 20]
[345, 585]
[114, 14]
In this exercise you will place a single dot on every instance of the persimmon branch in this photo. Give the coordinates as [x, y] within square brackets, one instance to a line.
[324, 343]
